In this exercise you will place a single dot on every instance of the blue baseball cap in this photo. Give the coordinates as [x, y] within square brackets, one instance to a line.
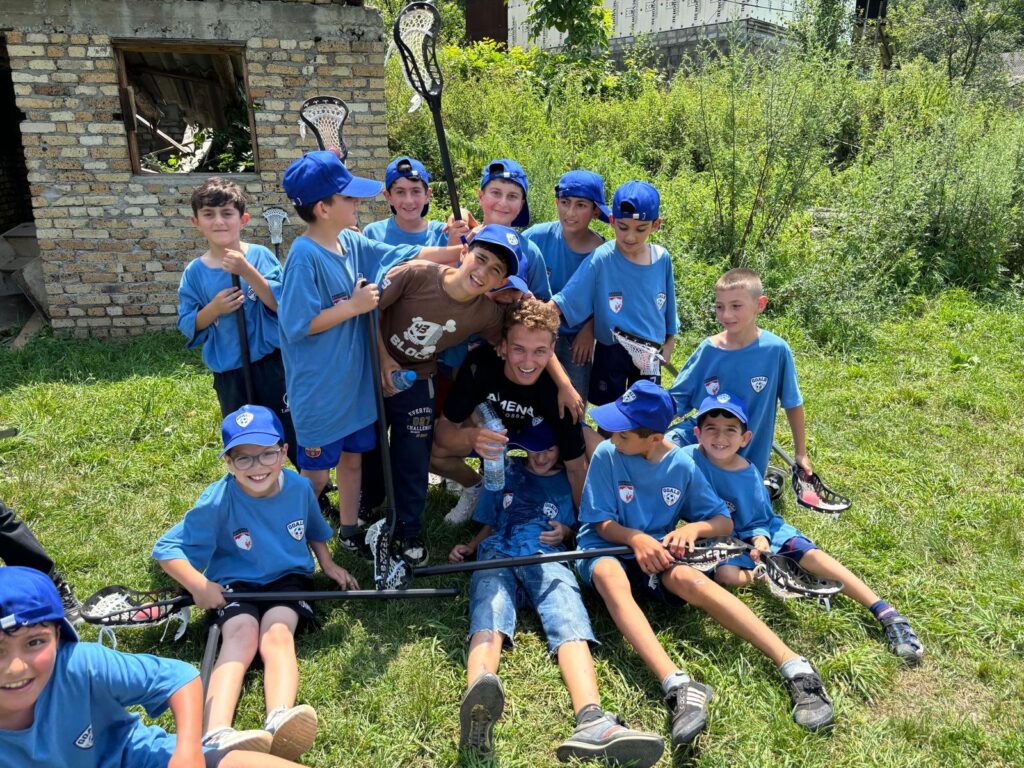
[585, 184]
[636, 200]
[29, 597]
[533, 437]
[251, 425]
[645, 404]
[317, 176]
[723, 401]
[509, 243]
[509, 170]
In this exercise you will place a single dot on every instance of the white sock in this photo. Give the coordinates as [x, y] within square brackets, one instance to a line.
[797, 666]
[674, 680]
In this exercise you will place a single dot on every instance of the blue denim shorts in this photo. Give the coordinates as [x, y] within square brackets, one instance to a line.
[639, 582]
[787, 545]
[549, 588]
[327, 456]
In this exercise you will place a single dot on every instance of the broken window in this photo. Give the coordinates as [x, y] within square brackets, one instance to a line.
[186, 107]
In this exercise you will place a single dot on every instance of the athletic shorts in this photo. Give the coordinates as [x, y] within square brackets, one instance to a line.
[648, 585]
[328, 456]
[292, 582]
[613, 373]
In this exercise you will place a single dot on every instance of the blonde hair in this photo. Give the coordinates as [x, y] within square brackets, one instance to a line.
[534, 315]
[741, 277]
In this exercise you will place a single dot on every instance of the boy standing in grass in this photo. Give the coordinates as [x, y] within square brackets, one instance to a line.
[208, 303]
[253, 530]
[566, 244]
[639, 487]
[407, 190]
[63, 703]
[721, 433]
[534, 513]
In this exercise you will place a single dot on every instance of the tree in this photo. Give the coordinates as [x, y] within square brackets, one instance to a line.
[587, 24]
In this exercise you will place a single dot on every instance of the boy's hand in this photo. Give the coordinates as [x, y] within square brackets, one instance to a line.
[485, 440]
[761, 544]
[804, 462]
[559, 532]
[187, 756]
[583, 344]
[209, 596]
[365, 297]
[387, 367]
[569, 400]
[227, 301]
[339, 575]
[667, 347]
[681, 540]
[459, 228]
[235, 263]
[460, 553]
[651, 555]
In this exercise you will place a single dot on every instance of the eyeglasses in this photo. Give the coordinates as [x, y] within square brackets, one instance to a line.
[246, 461]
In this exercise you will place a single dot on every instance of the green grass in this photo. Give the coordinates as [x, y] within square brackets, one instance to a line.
[922, 429]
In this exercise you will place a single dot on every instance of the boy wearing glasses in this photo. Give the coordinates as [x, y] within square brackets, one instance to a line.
[253, 530]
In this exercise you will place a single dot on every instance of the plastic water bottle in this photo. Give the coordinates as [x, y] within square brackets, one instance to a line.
[402, 380]
[494, 469]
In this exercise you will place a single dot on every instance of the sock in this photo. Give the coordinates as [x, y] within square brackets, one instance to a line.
[797, 666]
[882, 610]
[589, 713]
[347, 531]
[674, 680]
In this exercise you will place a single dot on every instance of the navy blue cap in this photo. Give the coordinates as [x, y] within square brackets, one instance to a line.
[251, 425]
[645, 404]
[723, 401]
[29, 597]
[317, 176]
[510, 243]
[533, 437]
[587, 185]
[509, 170]
[407, 168]
[636, 200]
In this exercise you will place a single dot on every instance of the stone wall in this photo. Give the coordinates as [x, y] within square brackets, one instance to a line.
[114, 243]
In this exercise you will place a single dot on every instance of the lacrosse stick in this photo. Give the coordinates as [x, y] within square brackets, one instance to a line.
[243, 343]
[645, 354]
[276, 217]
[415, 35]
[9, 432]
[788, 580]
[811, 491]
[209, 657]
[325, 116]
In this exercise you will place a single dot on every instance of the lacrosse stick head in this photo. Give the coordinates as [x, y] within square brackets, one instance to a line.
[415, 34]
[325, 116]
[276, 217]
[120, 606]
[390, 571]
[788, 580]
[646, 355]
[812, 493]
[708, 553]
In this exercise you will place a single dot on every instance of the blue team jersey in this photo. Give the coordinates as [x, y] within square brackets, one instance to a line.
[638, 298]
[219, 340]
[635, 493]
[328, 374]
[387, 231]
[762, 374]
[562, 261]
[232, 536]
[520, 512]
[80, 717]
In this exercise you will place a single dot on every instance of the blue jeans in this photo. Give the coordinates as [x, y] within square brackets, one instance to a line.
[549, 588]
[579, 375]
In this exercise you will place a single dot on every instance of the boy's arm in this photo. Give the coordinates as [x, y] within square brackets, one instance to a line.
[207, 594]
[583, 344]
[461, 552]
[568, 398]
[460, 440]
[441, 254]
[364, 299]
[186, 704]
[339, 575]
[795, 416]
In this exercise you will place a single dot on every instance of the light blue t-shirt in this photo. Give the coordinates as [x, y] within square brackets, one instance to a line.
[387, 231]
[219, 340]
[762, 374]
[80, 717]
[635, 493]
[520, 513]
[232, 536]
[561, 260]
[328, 374]
[638, 298]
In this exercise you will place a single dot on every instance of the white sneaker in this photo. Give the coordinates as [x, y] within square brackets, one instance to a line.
[463, 511]
[451, 486]
[292, 729]
[226, 739]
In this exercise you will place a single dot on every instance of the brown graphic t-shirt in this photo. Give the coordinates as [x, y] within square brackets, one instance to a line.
[419, 319]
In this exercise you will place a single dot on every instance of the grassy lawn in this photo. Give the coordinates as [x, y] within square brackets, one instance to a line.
[923, 430]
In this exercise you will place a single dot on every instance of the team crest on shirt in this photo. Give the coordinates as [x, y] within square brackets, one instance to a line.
[340, 297]
[659, 300]
[242, 539]
[244, 419]
[731, 506]
[629, 396]
[711, 386]
[550, 510]
[759, 383]
[670, 495]
[85, 739]
[297, 529]
[313, 453]
[615, 302]
[506, 500]
[626, 492]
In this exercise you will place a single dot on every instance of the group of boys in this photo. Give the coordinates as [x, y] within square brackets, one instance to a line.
[523, 321]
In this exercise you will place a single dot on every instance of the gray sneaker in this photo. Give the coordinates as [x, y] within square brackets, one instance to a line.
[481, 706]
[72, 608]
[901, 639]
[226, 739]
[607, 738]
[688, 704]
[292, 730]
[812, 708]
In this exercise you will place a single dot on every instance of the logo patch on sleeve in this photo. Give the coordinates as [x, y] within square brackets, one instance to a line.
[550, 510]
[670, 495]
[507, 499]
[615, 302]
[758, 383]
[711, 386]
[242, 539]
[659, 300]
[297, 529]
[85, 739]
[731, 506]
[626, 492]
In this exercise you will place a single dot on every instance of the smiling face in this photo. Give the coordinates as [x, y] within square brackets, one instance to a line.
[542, 462]
[221, 225]
[576, 213]
[501, 201]
[27, 658]
[526, 353]
[631, 236]
[408, 197]
[737, 309]
[720, 436]
[261, 479]
[481, 271]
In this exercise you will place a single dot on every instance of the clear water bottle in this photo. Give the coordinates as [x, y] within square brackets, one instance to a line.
[494, 469]
[402, 380]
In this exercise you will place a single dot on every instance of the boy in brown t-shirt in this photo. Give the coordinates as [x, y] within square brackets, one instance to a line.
[426, 308]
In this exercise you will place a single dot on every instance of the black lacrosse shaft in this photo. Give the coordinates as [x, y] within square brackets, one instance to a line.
[446, 161]
[209, 657]
[382, 428]
[243, 342]
[515, 562]
[783, 455]
[9, 432]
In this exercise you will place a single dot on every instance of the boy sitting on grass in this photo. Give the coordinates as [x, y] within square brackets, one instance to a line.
[63, 703]
[721, 432]
[533, 514]
[639, 487]
[252, 530]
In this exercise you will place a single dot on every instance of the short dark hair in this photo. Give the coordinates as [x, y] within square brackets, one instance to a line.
[719, 412]
[215, 192]
[306, 212]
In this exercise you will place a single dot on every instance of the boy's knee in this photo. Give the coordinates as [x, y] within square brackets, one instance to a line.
[728, 575]
[689, 584]
[240, 637]
[276, 636]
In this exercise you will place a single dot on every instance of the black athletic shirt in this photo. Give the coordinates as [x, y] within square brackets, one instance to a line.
[482, 377]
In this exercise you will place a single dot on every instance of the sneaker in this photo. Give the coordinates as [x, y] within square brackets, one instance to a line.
[414, 551]
[72, 608]
[226, 739]
[481, 706]
[901, 638]
[292, 730]
[688, 704]
[775, 481]
[356, 544]
[607, 738]
[812, 708]
[464, 510]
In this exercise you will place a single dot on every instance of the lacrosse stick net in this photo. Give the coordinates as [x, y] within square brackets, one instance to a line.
[276, 217]
[325, 116]
[120, 606]
[812, 493]
[390, 571]
[708, 553]
[787, 580]
[646, 355]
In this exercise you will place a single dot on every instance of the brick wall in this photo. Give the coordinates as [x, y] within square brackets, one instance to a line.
[113, 243]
